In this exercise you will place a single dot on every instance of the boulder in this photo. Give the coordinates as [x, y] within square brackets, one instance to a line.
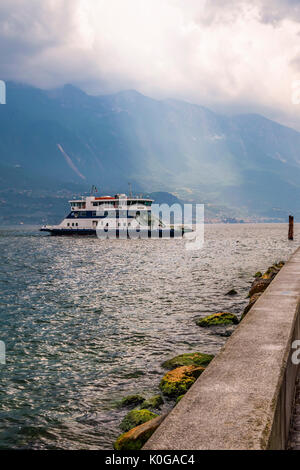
[223, 318]
[231, 292]
[188, 359]
[138, 436]
[268, 276]
[136, 417]
[225, 331]
[179, 398]
[259, 285]
[179, 380]
[252, 301]
[131, 401]
[152, 403]
[271, 272]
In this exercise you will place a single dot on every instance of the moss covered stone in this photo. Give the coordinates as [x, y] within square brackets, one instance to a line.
[188, 359]
[136, 417]
[152, 403]
[179, 398]
[223, 318]
[259, 285]
[178, 381]
[252, 301]
[138, 436]
[262, 281]
[131, 401]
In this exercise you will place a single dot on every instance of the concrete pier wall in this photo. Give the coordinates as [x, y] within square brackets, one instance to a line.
[243, 400]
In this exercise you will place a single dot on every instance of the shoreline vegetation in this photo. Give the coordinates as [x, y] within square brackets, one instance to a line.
[183, 370]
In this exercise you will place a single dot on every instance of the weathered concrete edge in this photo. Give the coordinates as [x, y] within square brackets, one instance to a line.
[245, 407]
[285, 393]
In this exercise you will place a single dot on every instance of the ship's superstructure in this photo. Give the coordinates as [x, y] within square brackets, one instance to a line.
[118, 216]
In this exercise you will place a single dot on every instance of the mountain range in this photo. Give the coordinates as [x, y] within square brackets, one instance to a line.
[55, 143]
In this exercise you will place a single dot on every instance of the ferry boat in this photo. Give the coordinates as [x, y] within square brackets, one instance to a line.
[116, 216]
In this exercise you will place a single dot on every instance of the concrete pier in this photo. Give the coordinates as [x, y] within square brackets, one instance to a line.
[294, 438]
[244, 399]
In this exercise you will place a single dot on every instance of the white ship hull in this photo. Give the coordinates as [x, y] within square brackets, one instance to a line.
[114, 217]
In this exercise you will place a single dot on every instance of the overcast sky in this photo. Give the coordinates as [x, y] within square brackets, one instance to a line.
[243, 56]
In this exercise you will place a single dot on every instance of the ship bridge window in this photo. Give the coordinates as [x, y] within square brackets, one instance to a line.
[137, 201]
[103, 203]
[79, 205]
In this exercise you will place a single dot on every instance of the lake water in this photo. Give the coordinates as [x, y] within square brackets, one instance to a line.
[87, 321]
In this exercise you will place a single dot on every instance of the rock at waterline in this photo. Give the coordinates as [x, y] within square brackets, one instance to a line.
[135, 418]
[138, 436]
[179, 380]
[261, 282]
[252, 301]
[259, 286]
[179, 398]
[225, 332]
[231, 292]
[152, 403]
[131, 401]
[188, 359]
[223, 318]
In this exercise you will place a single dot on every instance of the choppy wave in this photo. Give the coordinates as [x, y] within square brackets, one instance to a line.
[87, 321]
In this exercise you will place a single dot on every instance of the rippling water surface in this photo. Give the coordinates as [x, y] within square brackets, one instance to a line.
[86, 322]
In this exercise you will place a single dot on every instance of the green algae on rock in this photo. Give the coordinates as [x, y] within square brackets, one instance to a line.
[138, 436]
[136, 417]
[252, 301]
[188, 359]
[223, 318]
[179, 380]
[179, 398]
[260, 283]
[152, 403]
[131, 401]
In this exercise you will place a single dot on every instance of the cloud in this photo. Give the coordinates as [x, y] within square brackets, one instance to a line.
[239, 57]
